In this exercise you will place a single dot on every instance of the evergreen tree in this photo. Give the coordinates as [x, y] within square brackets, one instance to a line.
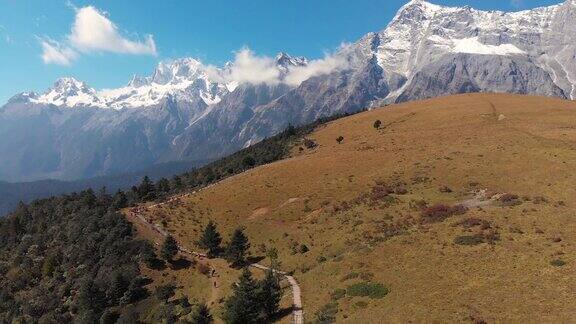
[169, 248]
[177, 183]
[90, 298]
[202, 315]
[289, 131]
[242, 307]
[117, 288]
[163, 186]
[211, 240]
[148, 255]
[146, 189]
[270, 294]
[237, 248]
[273, 255]
[248, 162]
[120, 200]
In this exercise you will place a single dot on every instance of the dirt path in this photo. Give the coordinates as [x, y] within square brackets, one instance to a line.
[136, 213]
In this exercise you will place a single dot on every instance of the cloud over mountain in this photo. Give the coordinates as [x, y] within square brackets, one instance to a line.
[247, 67]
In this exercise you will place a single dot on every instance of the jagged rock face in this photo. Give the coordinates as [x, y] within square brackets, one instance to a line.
[464, 73]
[183, 111]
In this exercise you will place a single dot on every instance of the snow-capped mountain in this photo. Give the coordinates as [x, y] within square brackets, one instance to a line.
[185, 79]
[422, 34]
[186, 110]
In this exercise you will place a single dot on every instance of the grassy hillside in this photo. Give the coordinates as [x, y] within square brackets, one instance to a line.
[456, 209]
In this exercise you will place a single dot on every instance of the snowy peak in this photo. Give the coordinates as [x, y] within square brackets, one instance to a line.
[68, 92]
[285, 60]
[177, 70]
[70, 86]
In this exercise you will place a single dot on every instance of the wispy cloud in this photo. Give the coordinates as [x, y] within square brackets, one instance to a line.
[54, 53]
[5, 35]
[247, 67]
[92, 31]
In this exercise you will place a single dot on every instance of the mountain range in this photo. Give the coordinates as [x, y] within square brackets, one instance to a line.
[190, 111]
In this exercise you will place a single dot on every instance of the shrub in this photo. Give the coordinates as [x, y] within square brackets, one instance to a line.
[361, 304]
[303, 248]
[469, 239]
[321, 259]
[490, 237]
[309, 144]
[558, 263]
[377, 124]
[510, 200]
[439, 212]
[380, 192]
[367, 289]
[339, 139]
[338, 293]
[164, 292]
[327, 313]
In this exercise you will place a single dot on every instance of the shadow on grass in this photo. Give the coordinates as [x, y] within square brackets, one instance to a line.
[282, 313]
[157, 264]
[254, 259]
[180, 264]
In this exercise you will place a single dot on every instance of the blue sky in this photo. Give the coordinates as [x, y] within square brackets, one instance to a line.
[147, 31]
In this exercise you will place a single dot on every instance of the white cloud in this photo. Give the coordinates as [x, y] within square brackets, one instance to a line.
[54, 53]
[92, 32]
[326, 65]
[248, 67]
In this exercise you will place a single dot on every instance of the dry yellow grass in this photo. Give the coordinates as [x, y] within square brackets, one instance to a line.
[503, 143]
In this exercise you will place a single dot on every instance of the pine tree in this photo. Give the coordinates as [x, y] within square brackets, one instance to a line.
[270, 294]
[146, 189]
[90, 298]
[177, 183]
[148, 255]
[120, 200]
[237, 248]
[169, 248]
[163, 186]
[211, 240]
[202, 315]
[242, 306]
[248, 162]
[117, 288]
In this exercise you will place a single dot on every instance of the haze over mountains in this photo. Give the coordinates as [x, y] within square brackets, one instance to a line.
[189, 111]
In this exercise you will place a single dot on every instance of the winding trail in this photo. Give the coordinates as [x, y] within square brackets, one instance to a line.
[297, 310]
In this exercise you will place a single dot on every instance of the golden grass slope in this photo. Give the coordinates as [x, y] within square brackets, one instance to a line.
[328, 199]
